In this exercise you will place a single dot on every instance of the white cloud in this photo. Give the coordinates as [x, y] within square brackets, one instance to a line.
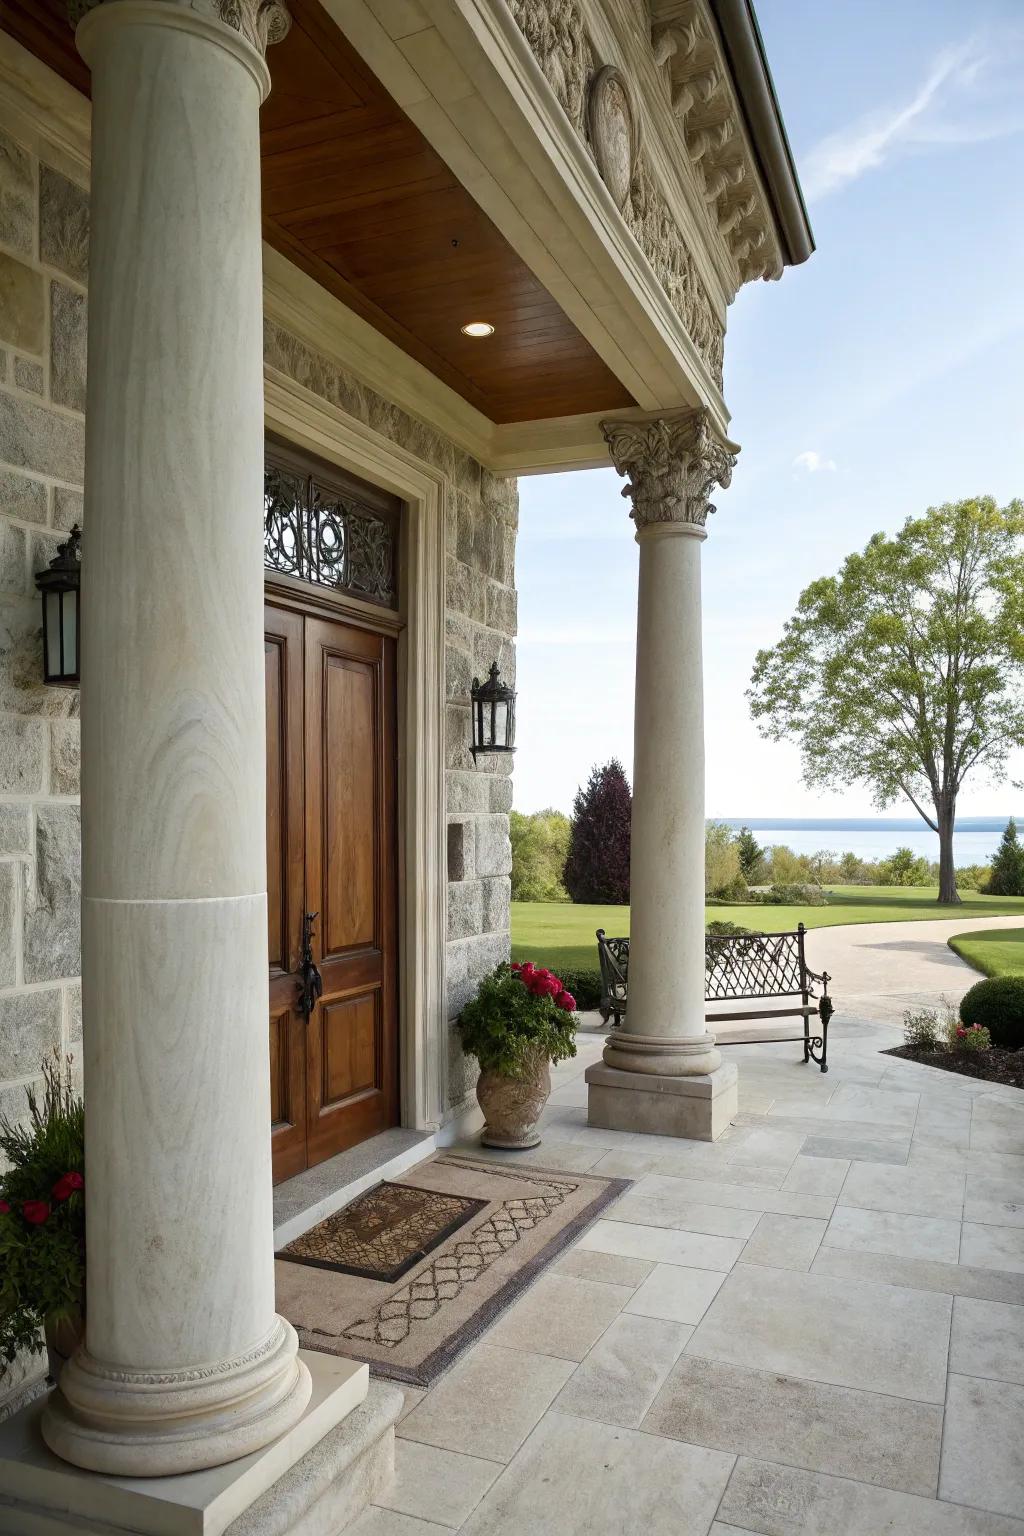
[967, 96]
[812, 461]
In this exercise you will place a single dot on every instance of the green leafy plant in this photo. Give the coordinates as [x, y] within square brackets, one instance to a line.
[519, 1009]
[42, 1214]
[921, 1029]
[969, 1037]
[998, 1004]
[719, 928]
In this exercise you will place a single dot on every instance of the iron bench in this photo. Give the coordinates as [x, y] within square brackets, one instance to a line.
[738, 967]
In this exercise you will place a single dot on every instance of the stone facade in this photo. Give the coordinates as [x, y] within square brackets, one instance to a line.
[481, 517]
[43, 265]
[43, 235]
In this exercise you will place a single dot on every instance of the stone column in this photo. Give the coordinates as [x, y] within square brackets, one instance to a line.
[185, 1363]
[661, 1071]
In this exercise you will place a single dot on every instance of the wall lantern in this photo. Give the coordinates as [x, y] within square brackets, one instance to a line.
[59, 585]
[494, 714]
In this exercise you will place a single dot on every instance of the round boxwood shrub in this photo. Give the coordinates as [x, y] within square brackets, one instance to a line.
[998, 1005]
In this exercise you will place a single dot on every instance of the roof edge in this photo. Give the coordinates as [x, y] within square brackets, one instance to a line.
[744, 47]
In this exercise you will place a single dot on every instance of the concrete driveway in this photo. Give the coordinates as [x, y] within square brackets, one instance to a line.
[879, 969]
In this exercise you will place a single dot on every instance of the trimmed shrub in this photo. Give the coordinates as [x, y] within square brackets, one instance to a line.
[585, 986]
[795, 896]
[998, 1005]
[720, 929]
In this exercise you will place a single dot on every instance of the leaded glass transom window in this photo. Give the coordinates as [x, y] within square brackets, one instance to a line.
[322, 533]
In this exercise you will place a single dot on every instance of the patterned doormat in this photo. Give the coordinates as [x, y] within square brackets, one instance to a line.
[383, 1233]
[410, 1274]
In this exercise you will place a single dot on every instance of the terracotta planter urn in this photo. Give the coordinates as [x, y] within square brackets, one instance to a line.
[512, 1105]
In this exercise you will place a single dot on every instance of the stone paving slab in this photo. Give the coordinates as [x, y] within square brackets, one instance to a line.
[813, 1327]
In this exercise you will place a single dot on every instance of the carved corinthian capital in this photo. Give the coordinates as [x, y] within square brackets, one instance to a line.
[260, 22]
[671, 464]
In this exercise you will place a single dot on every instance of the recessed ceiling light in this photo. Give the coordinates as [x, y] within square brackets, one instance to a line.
[478, 328]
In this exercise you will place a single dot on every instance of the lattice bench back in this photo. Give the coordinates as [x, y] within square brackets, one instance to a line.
[754, 965]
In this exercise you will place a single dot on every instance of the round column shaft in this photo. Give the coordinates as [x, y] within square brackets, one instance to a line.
[185, 1363]
[672, 464]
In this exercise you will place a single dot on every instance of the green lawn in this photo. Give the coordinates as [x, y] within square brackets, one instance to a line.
[996, 952]
[559, 933]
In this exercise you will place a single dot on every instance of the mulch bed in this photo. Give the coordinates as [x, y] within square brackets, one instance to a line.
[993, 1066]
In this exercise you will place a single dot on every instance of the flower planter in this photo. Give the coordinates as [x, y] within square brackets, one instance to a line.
[512, 1105]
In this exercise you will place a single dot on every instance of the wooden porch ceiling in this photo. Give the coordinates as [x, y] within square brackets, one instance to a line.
[355, 196]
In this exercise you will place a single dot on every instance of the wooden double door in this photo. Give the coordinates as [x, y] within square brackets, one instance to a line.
[331, 857]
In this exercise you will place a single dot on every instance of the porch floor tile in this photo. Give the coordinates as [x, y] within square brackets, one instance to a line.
[759, 1331]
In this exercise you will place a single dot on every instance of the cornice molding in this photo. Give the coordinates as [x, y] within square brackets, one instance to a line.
[671, 463]
[688, 49]
[557, 33]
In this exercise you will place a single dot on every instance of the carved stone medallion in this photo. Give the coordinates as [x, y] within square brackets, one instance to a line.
[614, 131]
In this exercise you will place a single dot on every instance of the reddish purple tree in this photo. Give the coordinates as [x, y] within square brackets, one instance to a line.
[597, 868]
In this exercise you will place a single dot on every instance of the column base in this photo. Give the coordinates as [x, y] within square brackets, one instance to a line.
[145, 1423]
[697, 1108]
[663, 1055]
[317, 1478]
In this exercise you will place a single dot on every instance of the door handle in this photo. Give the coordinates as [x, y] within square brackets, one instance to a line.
[311, 984]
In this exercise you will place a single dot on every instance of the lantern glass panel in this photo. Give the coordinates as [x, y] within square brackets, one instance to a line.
[69, 629]
[53, 633]
[500, 733]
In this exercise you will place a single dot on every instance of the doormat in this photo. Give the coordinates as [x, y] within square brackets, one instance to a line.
[411, 1328]
[383, 1233]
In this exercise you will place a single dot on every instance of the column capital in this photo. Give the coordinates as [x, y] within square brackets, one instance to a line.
[671, 462]
[259, 22]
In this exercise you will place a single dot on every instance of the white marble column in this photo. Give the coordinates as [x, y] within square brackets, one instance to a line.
[661, 1069]
[185, 1363]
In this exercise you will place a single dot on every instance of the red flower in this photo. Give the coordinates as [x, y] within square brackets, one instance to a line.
[4, 1208]
[566, 1000]
[35, 1212]
[515, 966]
[67, 1184]
[543, 984]
[526, 970]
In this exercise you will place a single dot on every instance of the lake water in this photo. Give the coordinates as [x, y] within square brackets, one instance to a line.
[974, 841]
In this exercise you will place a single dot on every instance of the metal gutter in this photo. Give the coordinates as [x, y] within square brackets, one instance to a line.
[744, 50]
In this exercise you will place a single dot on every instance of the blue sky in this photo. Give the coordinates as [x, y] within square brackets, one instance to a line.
[883, 376]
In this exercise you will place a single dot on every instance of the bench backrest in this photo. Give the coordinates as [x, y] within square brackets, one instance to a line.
[735, 965]
[754, 965]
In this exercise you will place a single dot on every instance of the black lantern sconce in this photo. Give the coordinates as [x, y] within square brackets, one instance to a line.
[494, 714]
[59, 585]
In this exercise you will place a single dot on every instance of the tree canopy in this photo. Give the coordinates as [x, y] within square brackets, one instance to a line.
[540, 843]
[906, 670]
[1007, 877]
[597, 866]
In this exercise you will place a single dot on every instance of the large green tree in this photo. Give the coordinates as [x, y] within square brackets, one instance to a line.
[905, 671]
[540, 843]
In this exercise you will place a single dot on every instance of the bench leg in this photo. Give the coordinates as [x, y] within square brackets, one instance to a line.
[807, 1041]
[816, 1046]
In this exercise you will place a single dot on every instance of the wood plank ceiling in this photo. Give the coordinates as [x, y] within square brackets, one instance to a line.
[355, 196]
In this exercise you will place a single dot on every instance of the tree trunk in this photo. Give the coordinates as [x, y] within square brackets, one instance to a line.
[948, 893]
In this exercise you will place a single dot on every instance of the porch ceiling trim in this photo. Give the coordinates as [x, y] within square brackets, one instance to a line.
[467, 77]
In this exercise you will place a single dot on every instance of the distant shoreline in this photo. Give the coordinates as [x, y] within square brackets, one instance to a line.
[858, 823]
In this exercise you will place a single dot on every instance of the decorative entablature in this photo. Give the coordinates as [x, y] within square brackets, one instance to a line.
[680, 42]
[688, 49]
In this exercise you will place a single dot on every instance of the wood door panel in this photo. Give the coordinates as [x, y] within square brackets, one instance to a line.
[286, 860]
[351, 797]
[351, 1044]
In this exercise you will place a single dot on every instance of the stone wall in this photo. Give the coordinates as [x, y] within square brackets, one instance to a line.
[482, 514]
[43, 242]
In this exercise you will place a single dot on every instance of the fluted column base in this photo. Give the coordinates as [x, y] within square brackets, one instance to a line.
[697, 1108]
[139, 1423]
